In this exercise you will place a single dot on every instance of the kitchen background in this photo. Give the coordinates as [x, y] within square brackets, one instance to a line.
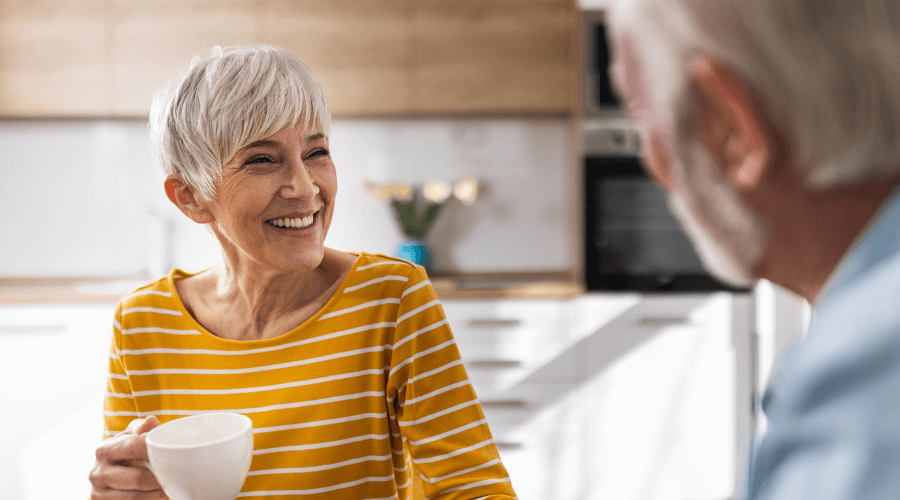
[622, 395]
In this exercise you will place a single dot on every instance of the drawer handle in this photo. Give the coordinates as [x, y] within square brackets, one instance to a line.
[505, 404]
[488, 323]
[663, 321]
[494, 364]
[33, 329]
[508, 445]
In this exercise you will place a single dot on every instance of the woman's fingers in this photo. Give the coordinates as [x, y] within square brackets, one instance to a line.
[126, 478]
[120, 471]
[121, 448]
[147, 425]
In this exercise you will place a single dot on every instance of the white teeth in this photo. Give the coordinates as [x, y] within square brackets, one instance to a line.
[294, 222]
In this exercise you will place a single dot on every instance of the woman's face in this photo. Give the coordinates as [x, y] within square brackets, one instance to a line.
[275, 200]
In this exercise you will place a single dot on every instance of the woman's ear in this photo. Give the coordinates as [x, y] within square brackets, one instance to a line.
[183, 197]
[732, 124]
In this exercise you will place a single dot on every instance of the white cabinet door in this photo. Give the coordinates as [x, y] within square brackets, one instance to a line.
[613, 396]
[523, 359]
[53, 367]
[669, 384]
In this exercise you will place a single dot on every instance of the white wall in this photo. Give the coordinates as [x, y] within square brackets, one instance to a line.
[85, 197]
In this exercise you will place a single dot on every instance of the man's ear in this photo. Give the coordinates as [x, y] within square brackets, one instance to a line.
[183, 197]
[732, 124]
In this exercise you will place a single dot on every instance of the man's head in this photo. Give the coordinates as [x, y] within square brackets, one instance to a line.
[728, 93]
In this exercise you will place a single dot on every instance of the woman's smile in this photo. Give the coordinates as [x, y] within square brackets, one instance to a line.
[293, 223]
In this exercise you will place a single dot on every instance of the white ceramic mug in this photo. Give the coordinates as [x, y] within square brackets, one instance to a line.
[202, 457]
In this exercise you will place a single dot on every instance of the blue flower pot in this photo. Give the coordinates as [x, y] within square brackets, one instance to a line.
[414, 251]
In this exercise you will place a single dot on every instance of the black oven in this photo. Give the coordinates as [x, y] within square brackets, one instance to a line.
[632, 242]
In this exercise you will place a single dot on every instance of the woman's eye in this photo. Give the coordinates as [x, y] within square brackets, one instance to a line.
[318, 152]
[259, 159]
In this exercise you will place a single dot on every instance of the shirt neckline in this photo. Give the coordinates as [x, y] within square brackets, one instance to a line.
[329, 305]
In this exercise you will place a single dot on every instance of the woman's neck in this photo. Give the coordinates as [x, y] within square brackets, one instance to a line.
[243, 303]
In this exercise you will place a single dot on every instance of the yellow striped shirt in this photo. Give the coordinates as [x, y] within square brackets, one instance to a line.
[357, 402]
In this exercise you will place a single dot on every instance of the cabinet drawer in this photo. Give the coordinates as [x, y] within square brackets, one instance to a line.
[545, 404]
[522, 362]
[502, 321]
[545, 461]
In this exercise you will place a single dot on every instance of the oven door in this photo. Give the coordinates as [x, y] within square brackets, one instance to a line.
[632, 242]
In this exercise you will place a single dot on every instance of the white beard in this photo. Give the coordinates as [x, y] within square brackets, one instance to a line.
[727, 235]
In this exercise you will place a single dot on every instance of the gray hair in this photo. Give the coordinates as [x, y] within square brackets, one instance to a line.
[226, 101]
[827, 71]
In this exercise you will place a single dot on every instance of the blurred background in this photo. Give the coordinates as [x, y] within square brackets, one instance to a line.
[608, 363]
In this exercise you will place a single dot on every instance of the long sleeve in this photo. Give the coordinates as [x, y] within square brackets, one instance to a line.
[118, 404]
[434, 404]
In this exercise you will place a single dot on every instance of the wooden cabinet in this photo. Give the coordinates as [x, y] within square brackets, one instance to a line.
[380, 57]
[493, 56]
[359, 51]
[150, 42]
[53, 58]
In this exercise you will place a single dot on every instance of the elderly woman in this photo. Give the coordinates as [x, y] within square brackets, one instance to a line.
[344, 361]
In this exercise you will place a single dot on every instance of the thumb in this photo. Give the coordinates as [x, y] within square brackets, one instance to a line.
[148, 424]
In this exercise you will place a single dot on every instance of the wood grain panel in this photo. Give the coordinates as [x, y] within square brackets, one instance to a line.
[494, 55]
[151, 42]
[359, 51]
[53, 58]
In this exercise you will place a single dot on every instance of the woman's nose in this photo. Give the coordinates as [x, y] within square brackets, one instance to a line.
[298, 183]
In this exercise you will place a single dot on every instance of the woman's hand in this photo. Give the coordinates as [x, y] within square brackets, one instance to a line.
[120, 471]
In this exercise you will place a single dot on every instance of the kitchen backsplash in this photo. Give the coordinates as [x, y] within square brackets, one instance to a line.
[85, 197]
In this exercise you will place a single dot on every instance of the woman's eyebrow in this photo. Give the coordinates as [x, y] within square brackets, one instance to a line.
[261, 143]
[315, 137]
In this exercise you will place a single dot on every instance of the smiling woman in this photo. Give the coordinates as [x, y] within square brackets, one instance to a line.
[344, 362]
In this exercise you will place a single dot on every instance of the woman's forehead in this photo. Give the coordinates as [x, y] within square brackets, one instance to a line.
[306, 134]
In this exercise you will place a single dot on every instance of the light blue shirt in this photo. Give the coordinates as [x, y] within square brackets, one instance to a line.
[833, 403]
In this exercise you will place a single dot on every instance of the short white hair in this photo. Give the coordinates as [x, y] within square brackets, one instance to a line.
[827, 71]
[226, 101]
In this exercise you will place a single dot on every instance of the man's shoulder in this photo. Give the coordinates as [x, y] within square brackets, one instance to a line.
[867, 304]
[853, 343]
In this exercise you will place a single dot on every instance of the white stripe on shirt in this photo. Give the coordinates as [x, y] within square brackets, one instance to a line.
[418, 310]
[460, 472]
[448, 433]
[436, 392]
[419, 332]
[414, 288]
[376, 280]
[420, 354]
[150, 292]
[262, 388]
[318, 468]
[383, 263]
[438, 414]
[151, 310]
[225, 371]
[318, 446]
[316, 490]
[217, 352]
[259, 409]
[454, 453]
[359, 307]
[156, 329]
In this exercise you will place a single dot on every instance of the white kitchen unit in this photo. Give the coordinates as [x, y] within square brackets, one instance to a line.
[53, 367]
[621, 396]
